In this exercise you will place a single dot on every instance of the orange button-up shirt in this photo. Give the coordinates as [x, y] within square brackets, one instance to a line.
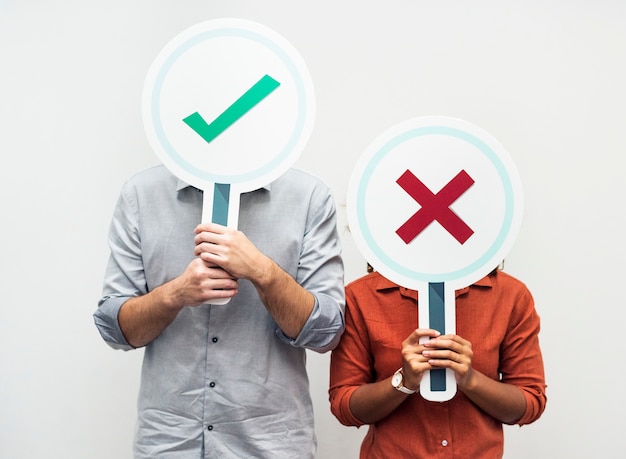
[496, 314]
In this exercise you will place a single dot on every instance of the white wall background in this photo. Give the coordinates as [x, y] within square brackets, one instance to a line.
[546, 77]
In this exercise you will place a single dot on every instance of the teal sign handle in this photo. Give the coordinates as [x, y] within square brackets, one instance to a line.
[220, 205]
[437, 319]
[221, 195]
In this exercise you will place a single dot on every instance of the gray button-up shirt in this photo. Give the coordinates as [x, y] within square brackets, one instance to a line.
[223, 381]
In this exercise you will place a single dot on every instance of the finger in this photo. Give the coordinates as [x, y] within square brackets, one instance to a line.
[461, 358]
[421, 334]
[206, 247]
[214, 294]
[460, 368]
[452, 342]
[443, 363]
[443, 342]
[222, 284]
[440, 354]
[442, 359]
[215, 272]
[210, 227]
[206, 237]
[415, 365]
[455, 338]
[430, 332]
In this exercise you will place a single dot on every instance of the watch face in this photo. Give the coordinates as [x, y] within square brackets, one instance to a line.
[396, 380]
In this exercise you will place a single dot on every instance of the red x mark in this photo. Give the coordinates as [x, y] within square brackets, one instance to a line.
[435, 206]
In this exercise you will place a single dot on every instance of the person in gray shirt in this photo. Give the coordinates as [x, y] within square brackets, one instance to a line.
[223, 380]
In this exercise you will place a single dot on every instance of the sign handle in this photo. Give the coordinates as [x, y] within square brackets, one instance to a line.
[437, 310]
[220, 205]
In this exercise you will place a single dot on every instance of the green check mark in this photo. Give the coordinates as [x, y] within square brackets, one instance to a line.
[259, 91]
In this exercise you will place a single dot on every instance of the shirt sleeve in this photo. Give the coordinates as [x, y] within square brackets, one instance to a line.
[320, 271]
[351, 364]
[124, 277]
[522, 363]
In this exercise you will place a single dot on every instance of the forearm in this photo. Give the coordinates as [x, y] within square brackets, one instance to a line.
[143, 318]
[288, 302]
[505, 402]
[372, 402]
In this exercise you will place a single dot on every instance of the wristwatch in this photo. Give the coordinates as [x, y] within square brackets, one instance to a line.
[396, 382]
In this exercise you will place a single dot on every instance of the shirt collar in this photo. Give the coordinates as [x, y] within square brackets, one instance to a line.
[383, 284]
[181, 185]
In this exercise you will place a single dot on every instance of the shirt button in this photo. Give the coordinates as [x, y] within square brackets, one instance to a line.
[212, 384]
[444, 443]
[215, 339]
[209, 428]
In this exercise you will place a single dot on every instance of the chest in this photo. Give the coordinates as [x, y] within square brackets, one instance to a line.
[479, 318]
[166, 231]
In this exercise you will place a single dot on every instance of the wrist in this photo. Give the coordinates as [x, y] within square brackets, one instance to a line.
[168, 296]
[265, 272]
[470, 382]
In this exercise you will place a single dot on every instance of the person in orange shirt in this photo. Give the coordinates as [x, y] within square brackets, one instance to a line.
[376, 369]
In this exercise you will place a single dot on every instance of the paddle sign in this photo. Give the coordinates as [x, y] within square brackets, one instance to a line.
[434, 204]
[228, 106]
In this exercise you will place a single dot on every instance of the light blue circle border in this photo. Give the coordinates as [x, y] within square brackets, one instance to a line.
[490, 253]
[206, 176]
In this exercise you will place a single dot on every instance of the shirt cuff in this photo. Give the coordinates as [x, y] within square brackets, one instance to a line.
[323, 328]
[108, 325]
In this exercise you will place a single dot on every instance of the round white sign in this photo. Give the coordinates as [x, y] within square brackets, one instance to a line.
[434, 199]
[228, 101]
